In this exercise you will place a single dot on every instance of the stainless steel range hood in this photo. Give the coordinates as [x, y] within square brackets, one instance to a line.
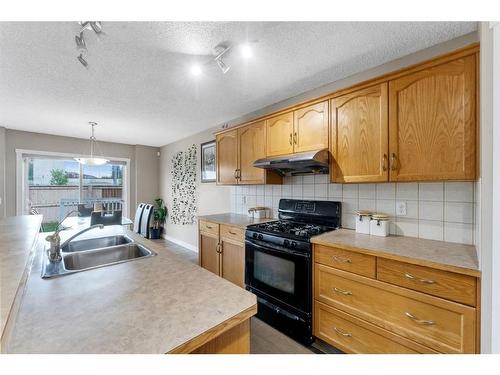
[311, 162]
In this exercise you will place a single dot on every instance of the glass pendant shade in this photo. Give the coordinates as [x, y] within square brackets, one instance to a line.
[91, 160]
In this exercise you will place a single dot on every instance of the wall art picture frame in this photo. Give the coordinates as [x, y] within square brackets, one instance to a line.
[208, 164]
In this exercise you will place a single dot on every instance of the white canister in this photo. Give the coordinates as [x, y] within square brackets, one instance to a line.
[260, 213]
[379, 225]
[251, 212]
[363, 222]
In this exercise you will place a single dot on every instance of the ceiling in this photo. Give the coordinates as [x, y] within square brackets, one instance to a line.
[138, 85]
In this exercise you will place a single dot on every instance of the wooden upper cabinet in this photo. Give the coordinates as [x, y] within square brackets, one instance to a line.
[279, 136]
[432, 122]
[252, 146]
[311, 128]
[359, 136]
[227, 157]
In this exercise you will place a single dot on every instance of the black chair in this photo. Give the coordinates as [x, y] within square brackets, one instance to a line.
[101, 217]
[84, 211]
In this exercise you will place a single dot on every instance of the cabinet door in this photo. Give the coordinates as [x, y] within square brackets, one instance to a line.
[279, 135]
[209, 253]
[311, 128]
[227, 158]
[359, 139]
[252, 146]
[432, 123]
[233, 262]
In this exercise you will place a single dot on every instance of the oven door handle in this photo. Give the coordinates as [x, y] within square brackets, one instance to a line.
[279, 310]
[273, 249]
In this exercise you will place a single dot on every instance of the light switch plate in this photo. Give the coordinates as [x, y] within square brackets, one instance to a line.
[401, 208]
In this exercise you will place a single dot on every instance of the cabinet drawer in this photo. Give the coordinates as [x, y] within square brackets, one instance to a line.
[449, 285]
[352, 335]
[232, 233]
[441, 325]
[209, 227]
[351, 261]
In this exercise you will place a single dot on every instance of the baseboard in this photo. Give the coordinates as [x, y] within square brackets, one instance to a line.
[180, 243]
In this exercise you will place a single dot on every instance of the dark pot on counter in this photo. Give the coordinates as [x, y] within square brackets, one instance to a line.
[155, 233]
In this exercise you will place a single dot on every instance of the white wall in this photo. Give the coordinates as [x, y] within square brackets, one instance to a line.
[211, 198]
[2, 172]
[435, 210]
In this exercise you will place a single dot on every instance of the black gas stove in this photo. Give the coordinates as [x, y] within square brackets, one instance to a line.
[278, 264]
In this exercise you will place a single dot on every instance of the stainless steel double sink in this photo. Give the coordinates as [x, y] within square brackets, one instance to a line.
[92, 253]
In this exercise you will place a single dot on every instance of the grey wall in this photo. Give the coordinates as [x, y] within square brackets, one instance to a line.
[144, 160]
[2, 172]
[147, 182]
[216, 199]
[211, 198]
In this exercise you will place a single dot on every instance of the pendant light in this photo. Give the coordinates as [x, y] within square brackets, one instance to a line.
[92, 160]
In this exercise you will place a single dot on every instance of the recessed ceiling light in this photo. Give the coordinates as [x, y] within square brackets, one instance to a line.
[246, 51]
[196, 70]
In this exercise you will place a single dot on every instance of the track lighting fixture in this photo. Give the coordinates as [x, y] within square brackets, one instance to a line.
[80, 42]
[83, 61]
[219, 51]
[81, 46]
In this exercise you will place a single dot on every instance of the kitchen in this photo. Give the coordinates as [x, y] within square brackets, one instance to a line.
[341, 205]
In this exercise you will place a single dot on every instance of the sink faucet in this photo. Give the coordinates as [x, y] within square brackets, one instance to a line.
[54, 252]
[100, 226]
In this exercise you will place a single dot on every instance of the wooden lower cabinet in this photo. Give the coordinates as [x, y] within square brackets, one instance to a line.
[209, 257]
[223, 252]
[353, 335]
[413, 319]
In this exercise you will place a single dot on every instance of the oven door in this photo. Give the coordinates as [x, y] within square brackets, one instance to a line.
[280, 273]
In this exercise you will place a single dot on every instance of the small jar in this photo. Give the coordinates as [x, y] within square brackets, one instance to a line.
[251, 212]
[379, 225]
[363, 222]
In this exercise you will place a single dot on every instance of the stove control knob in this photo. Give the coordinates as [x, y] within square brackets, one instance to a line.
[286, 243]
[254, 235]
[260, 236]
[293, 244]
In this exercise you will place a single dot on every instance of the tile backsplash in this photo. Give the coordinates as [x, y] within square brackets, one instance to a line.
[434, 210]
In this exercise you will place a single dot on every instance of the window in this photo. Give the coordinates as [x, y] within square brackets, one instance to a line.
[54, 186]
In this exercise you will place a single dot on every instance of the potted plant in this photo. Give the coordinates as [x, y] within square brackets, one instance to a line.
[159, 218]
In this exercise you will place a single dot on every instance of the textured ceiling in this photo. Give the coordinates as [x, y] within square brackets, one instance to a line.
[138, 85]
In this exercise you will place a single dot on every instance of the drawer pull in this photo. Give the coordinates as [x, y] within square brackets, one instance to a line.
[341, 332]
[233, 233]
[419, 321]
[424, 281]
[344, 292]
[341, 260]
[218, 248]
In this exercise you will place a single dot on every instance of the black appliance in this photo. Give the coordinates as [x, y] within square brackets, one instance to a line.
[278, 263]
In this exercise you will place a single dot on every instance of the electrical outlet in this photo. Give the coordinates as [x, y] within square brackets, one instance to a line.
[401, 208]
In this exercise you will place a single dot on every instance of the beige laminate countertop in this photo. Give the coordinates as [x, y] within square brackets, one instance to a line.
[438, 254]
[150, 305]
[17, 237]
[233, 219]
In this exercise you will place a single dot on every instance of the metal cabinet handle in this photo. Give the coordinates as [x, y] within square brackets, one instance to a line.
[295, 138]
[341, 332]
[233, 233]
[424, 281]
[235, 173]
[419, 321]
[209, 226]
[344, 292]
[341, 260]
[384, 162]
[290, 140]
[218, 248]
[393, 161]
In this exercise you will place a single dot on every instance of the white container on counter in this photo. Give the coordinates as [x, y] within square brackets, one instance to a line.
[379, 225]
[260, 213]
[363, 222]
